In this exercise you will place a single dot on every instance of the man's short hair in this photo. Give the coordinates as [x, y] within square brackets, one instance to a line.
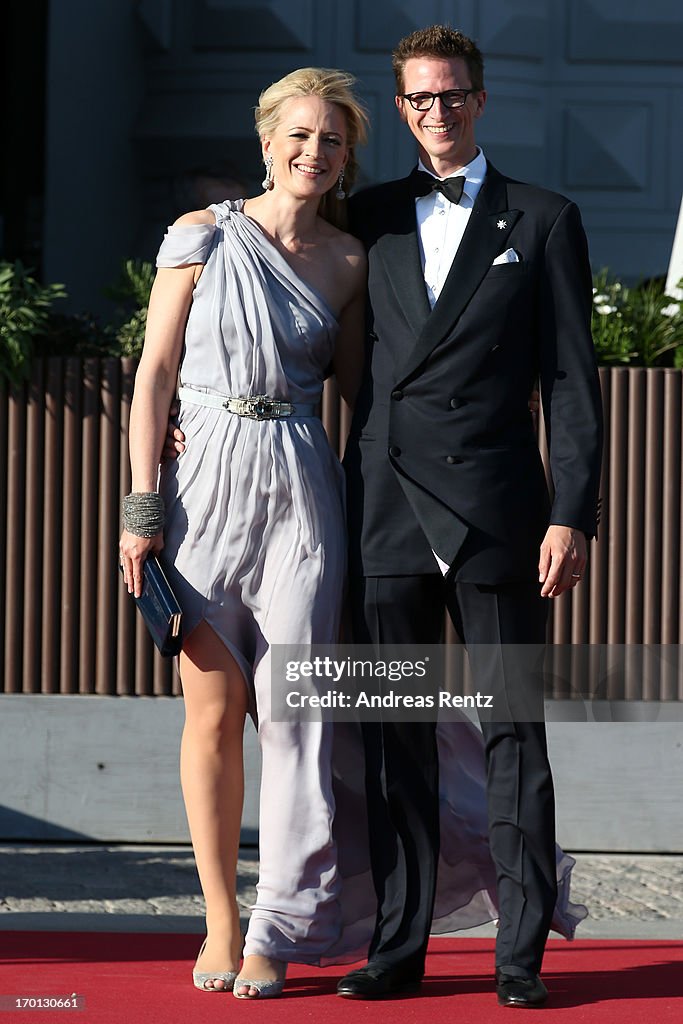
[438, 41]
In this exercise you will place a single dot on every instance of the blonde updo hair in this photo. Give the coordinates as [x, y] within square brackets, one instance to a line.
[335, 87]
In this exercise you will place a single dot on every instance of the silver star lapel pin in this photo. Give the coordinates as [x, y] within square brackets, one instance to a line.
[502, 224]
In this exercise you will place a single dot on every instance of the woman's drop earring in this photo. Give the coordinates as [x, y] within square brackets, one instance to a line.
[340, 193]
[268, 182]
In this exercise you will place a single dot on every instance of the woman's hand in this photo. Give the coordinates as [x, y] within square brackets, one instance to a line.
[534, 406]
[133, 551]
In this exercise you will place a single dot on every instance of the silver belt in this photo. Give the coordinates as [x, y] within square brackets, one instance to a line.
[256, 407]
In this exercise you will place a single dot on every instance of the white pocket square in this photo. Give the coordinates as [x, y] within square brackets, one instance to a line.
[509, 256]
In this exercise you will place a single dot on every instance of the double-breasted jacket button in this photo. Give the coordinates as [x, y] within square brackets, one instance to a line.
[394, 451]
[453, 460]
[456, 403]
[397, 395]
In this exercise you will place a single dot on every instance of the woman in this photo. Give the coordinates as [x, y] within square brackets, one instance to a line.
[254, 300]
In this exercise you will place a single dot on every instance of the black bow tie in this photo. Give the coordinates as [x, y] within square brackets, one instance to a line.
[422, 184]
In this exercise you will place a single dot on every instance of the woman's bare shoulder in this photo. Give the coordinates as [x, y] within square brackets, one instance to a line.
[345, 246]
[195, 217]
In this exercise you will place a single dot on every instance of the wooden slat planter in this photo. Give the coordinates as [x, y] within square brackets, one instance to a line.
[67, 625]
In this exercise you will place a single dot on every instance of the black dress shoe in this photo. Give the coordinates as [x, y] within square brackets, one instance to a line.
[378, 981]
[515, 991]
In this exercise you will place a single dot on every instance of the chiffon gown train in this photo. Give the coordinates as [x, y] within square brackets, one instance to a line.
[256, 546]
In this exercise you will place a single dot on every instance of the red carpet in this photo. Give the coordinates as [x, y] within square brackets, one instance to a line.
[145, 979]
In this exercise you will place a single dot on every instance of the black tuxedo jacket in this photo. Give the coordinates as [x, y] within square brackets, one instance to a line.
[442, 453]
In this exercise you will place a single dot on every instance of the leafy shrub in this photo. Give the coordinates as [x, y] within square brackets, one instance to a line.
[25, 307]
[29, 324]
[632, 325]
[636, 326]
[132, 291]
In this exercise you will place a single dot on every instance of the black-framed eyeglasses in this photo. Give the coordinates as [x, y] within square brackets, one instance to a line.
[452, 99]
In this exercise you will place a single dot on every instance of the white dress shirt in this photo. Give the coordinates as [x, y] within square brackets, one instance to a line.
[441, 224]
[440, 227]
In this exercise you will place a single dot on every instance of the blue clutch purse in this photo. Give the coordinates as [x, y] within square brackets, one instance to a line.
[159, 608]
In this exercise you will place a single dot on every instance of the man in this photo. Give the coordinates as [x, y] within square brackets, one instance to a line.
[471, 299]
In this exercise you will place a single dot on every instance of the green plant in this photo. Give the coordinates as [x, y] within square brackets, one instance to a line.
[636, 326]
[132, 290]
[25, 307]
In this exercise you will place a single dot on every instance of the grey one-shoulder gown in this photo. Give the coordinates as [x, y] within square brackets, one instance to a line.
[255, 535]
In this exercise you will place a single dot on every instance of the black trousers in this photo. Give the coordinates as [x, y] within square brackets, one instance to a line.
[402, 767]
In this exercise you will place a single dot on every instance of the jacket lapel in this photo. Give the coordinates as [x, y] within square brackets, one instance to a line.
[399, 250]
[487, 230]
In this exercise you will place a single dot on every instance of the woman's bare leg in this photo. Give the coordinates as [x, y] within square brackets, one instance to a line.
[212, 777]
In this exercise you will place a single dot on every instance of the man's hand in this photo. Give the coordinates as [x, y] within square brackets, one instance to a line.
[562, 561]
[174, 441]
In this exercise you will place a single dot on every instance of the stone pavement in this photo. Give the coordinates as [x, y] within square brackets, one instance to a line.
[155, 888]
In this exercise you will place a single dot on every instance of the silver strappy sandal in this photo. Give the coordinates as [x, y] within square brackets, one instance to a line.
[265, 989]
[200, 978]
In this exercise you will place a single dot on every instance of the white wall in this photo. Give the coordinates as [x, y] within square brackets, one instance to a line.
[106, 768]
